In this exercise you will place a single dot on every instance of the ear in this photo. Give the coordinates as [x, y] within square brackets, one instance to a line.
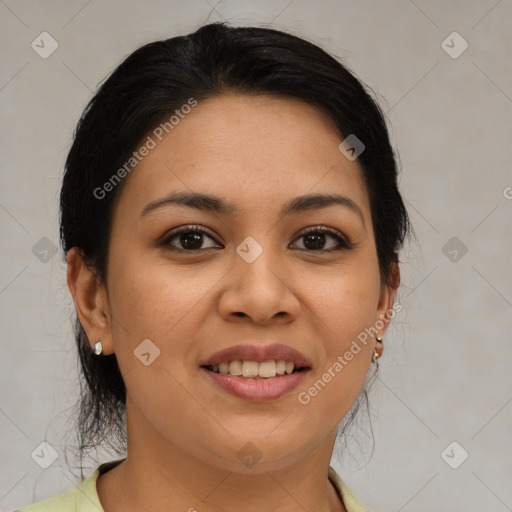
[91, 303]
[386, 301]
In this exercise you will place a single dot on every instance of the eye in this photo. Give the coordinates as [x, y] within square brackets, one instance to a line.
[316, 237]
[189, 238]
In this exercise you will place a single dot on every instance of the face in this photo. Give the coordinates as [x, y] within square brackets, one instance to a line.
[202, 277]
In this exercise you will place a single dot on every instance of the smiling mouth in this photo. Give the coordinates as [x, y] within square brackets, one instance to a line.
[255, 370]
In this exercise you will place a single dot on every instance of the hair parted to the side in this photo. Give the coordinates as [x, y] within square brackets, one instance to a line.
[145, 89]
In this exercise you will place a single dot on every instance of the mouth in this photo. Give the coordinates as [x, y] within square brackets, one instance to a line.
[257, 373]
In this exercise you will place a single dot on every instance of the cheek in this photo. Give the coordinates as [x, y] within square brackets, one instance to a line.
[354, 311]
[346, 299]
[345, 308]
[149, 297]
[153, 301]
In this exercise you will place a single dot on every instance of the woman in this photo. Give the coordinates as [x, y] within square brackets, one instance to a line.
[231, 220]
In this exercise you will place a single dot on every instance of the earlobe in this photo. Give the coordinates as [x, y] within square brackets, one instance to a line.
[90, 299]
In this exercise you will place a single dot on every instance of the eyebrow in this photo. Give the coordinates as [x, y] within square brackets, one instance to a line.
[209, 203]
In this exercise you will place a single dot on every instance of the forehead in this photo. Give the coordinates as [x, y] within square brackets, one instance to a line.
[256, 150]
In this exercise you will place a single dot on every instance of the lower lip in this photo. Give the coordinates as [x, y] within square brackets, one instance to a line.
[257, 390]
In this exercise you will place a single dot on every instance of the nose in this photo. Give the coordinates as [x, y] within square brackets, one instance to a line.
[260, 290]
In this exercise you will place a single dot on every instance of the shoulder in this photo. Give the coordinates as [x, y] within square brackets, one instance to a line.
[82, 499]
[350, 500]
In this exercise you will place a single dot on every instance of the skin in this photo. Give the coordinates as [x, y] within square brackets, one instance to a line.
[183, 432]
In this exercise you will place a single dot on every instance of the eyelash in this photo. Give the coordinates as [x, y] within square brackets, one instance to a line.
[343, 243]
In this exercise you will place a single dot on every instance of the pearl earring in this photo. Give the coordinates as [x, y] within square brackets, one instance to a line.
[98, 348]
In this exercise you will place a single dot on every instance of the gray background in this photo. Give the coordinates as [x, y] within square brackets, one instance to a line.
[445, 375]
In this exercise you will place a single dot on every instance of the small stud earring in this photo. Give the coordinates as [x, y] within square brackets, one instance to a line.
[98, 348]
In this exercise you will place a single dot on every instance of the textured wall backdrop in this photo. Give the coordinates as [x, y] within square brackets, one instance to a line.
[441, 410]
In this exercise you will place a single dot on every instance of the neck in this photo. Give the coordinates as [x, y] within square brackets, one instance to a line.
[159, 475]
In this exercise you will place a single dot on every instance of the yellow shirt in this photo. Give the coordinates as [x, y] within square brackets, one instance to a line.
[85, 498]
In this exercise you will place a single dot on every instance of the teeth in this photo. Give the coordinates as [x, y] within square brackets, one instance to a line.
[280, 367]
[268, 369]
[235, 368]
[253, 369]
[250, 369]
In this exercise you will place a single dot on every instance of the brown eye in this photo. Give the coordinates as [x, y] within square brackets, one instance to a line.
[315, 239]
[188, 238]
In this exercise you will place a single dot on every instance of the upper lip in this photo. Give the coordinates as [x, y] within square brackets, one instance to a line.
[259, 353]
